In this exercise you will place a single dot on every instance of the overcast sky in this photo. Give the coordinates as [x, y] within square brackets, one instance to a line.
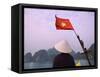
[40, 31]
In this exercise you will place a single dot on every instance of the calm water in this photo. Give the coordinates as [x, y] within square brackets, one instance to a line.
[37, 65]
[32, 65]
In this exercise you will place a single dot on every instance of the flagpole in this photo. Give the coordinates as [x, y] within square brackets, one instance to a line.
[82, 45]
[80, 41]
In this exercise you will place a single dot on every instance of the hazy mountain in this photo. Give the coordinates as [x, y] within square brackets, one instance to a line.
[91, 52]
[92, 47]
[79, 55]
[52, 52]
[73, 53]
[28, 57]
[46, 57]
[41, 56]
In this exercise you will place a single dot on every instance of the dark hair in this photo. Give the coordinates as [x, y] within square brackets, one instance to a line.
[63, 60]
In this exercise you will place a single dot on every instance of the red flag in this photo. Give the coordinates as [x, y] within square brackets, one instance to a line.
[63, 24]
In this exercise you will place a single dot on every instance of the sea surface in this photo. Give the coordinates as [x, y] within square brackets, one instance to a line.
[38, 65]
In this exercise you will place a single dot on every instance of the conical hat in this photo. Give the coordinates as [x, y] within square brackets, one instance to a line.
[63, 47]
